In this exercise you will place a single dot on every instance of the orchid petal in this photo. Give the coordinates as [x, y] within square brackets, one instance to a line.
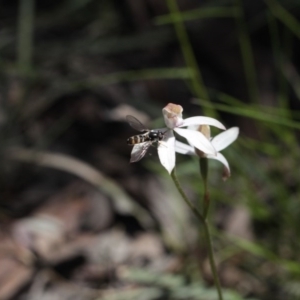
[166, 151]
[197, 139]
[172, 115]
[204, 129]
[222, 159]
[192, 127]
[183, 148]
[202, 121]
[225, 138]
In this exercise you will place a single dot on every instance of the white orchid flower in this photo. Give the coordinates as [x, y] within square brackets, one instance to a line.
[165, 140]
[219, 142]
[173, 118]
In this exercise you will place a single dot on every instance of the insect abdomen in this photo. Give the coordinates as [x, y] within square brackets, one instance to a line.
[137, 139]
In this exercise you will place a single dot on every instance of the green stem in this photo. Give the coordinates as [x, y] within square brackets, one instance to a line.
[212, 260]
[203, 162]
[185, 198]
[206, 229]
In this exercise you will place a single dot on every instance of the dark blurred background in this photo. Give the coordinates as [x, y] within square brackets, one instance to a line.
[77, 220]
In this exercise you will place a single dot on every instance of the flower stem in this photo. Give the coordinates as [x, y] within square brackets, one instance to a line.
[203, 162]
[212, 260]
[206, 229]
[185, 198]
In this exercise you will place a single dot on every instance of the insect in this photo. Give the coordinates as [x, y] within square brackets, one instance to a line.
[144, 140]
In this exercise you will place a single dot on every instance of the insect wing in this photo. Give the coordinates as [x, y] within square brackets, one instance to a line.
[135, 123]
[139, 151]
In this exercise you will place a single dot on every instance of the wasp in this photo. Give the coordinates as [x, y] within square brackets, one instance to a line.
[146, 139]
